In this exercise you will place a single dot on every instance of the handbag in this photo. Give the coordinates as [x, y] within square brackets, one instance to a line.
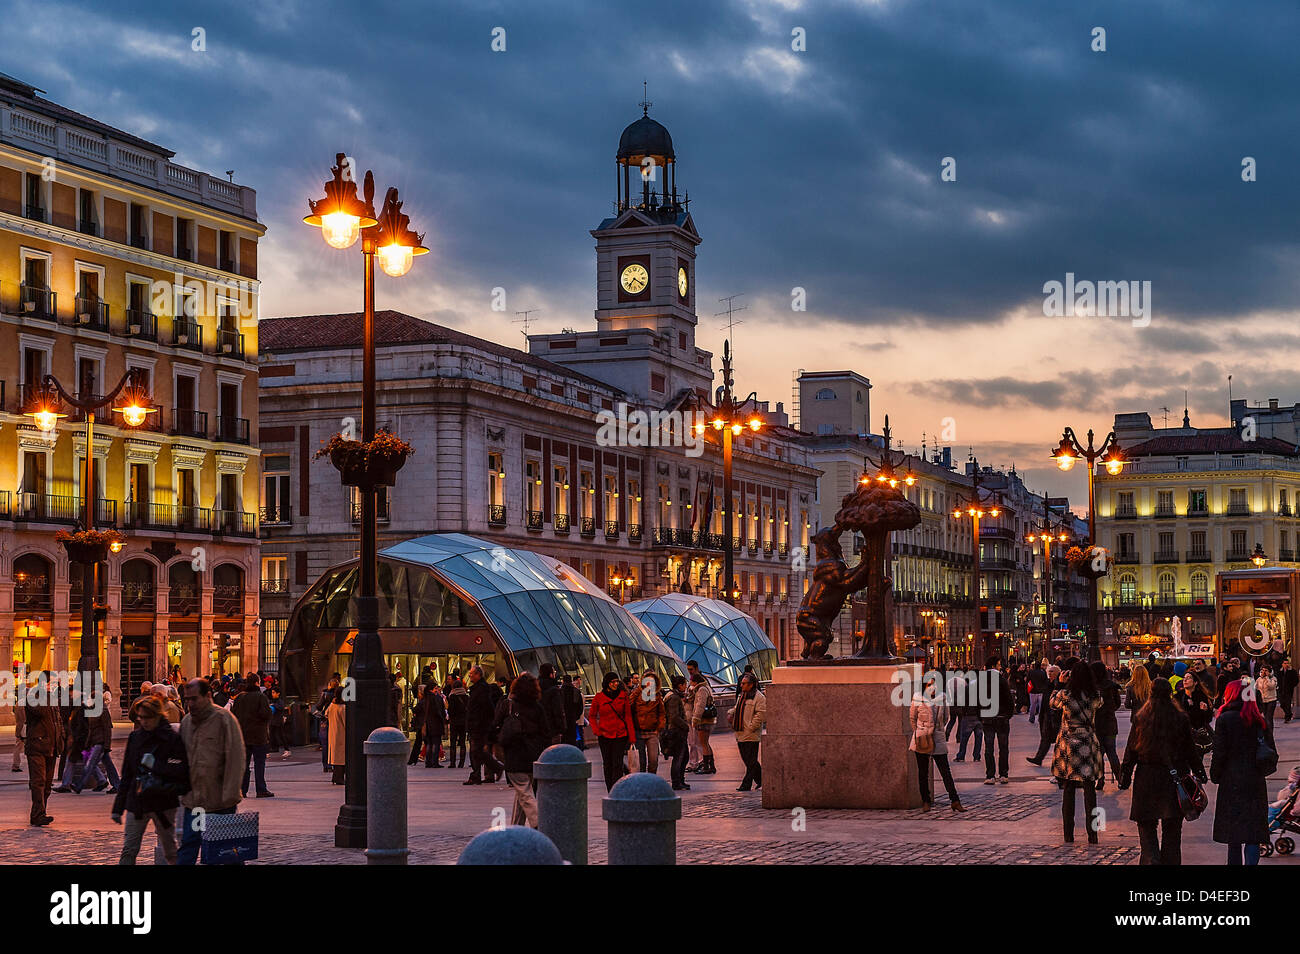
[925, 743]
[1191, 795]
[1265, 755]
[229, 839]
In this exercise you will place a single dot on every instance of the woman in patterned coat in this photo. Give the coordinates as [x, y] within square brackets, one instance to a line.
[1077, 759]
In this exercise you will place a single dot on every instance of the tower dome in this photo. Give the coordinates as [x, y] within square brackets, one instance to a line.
[646, 137]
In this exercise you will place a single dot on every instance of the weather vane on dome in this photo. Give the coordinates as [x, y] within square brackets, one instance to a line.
[645, 103]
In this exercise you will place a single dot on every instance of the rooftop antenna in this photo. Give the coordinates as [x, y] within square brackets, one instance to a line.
[1230, 420]
[730, 313]
[525, 320]
[1166, 415]
[1186, 420]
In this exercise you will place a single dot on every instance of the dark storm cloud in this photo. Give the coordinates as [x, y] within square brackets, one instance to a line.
[817, 169]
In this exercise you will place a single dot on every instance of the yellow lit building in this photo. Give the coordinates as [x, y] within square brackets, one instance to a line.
[1191, 502]
[113, 258]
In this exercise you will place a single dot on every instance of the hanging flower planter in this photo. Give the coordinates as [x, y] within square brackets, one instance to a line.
[1091, 563]
[88, 546]
[372, 464]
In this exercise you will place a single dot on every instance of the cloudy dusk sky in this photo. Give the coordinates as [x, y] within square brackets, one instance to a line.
[817, 169]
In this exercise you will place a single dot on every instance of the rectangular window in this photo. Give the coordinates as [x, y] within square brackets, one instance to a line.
[587, 495]
[1166, 543]
[1124, 507]
[1238, 544]
[276, 505]
[1165, 502]
[561, 490]
[273, 631]
[496, 480]
[1196, 502]
[533, 486]
[1237, 500]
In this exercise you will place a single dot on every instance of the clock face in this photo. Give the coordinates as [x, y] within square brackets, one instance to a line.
[635, 278]
[681, 282]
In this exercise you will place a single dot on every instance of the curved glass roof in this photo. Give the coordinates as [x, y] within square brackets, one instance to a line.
[541, 610]
[715, 634]
[531, 600]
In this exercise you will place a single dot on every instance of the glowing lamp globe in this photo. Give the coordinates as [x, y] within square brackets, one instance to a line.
[340, 230]
[45, 420]
[134, 415]
[395, 260]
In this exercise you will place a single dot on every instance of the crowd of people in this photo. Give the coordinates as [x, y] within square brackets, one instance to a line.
[1180, 713]
[197, 746]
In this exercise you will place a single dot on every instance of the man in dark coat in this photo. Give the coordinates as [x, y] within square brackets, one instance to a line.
[552, 702]
[574, 706]
[252, 710]
[434, 716]
[44, 742]
[996, 719]
[478, 722]
[457, 699]
[1241, 804]
[1287, 680]
[1037, 686]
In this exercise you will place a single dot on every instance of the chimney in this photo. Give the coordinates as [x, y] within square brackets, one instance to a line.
[1272, 404]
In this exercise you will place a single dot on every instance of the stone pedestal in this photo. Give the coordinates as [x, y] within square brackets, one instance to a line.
[836, 737]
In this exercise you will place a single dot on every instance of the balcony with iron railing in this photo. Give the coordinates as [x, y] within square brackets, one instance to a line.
[1126, 513]
[1200, 556]
[38, 301]
[381, 510]
[534, 520]
[140, 515]
[274, 516]
[1285, 555]
[1166, 556]
[139, 239]
[1128, 557]
[35, 212]
[496, 515]
[232, 430]
[612, 530]
[587, 527]
[1165, 513]
[1238, 510]
[559, 523]
[1198, 513]
[88, 227]
[234, 523]
[141, 323]
[33, 595]
[187, 334]
[187, 422]
[230, 343]
[634, 533]
[33, 507]
[1237, 556]
[90, 313]
[275, 587]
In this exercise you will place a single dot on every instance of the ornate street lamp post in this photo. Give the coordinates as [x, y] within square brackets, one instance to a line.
[1046, 534]
[729, 420]
[342, 218]
[976, 507]
[44, 407]
[1066, 453]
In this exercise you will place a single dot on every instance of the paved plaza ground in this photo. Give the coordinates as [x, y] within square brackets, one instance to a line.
[1018, 823]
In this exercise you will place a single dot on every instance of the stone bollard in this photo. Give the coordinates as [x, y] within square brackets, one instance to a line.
[562, 773]
[642, 812]
[516, 845]
[386, 752]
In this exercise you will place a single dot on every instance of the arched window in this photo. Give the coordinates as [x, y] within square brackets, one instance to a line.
[1200, 586]
[826, 394]
[228, 590]
[183, 589]
[33, 583]
[138, 585]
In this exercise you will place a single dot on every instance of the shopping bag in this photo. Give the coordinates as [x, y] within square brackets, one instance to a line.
[228, 839]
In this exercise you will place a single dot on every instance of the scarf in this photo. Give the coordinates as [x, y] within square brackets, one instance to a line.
[738, 713]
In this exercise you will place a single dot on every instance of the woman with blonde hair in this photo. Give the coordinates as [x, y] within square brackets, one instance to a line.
[1139, 686]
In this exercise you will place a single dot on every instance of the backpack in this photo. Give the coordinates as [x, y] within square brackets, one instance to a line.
[512, 728]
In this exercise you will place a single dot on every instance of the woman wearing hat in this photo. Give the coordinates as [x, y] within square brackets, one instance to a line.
[155, 773]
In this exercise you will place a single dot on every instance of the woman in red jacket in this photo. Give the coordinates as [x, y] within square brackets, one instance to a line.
[612, 721]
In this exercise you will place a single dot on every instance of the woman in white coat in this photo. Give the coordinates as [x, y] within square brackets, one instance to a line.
[928, 715]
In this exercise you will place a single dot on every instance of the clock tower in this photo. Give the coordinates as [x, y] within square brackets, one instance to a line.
[645, 280]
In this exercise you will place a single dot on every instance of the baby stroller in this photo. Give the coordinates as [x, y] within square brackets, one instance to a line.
[1282, 817]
